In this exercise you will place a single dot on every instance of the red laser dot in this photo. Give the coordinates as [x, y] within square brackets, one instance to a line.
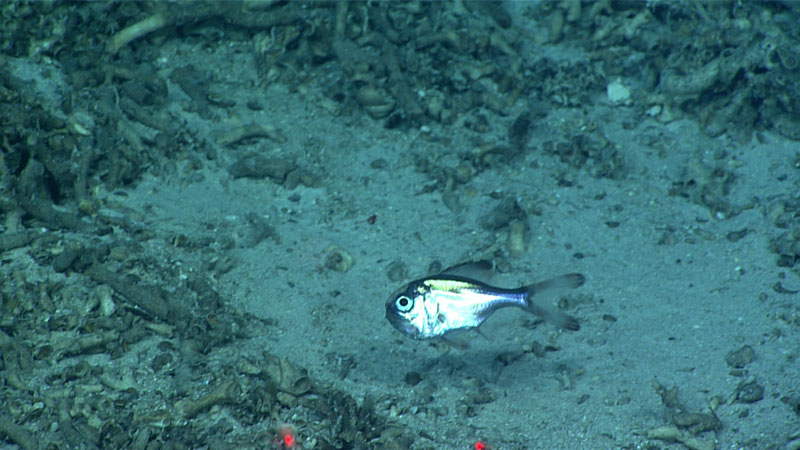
[481, 446]
[288, 440]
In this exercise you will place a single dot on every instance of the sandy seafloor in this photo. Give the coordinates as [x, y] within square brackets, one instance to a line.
[649, 312]
[679, 308]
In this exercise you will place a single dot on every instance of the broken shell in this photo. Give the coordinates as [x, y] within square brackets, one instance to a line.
[92, 302]
[788, 57]
[338, 260]
[463, 173]
[123, 383]
[161, 329]
[396, 271]
[668, 433]
[555, 26]
[376, 102]
[288, 377]
[516, 239]
[451, 201]
[380, 111]
[227, 392]
[573, 9]
[618, 93]
[107, 305]
[248, 368]
[435, 105]
[80, 123]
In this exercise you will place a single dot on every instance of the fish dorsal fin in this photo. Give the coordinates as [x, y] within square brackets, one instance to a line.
[477, 270]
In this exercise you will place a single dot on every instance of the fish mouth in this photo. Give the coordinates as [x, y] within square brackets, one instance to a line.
[400, 323]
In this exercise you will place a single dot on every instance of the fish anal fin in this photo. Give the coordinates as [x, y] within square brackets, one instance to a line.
[452, 341]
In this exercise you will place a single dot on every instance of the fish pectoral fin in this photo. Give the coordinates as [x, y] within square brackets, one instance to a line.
[482, 334]
[452, 341]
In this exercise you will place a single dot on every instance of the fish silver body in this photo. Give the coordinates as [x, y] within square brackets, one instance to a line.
[434, 306]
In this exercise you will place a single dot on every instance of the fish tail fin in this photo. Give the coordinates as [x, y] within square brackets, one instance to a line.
[539, 295]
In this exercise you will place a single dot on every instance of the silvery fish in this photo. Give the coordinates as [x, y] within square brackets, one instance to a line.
[437, 305]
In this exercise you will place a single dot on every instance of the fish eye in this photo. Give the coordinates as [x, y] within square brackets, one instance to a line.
[403, 304]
